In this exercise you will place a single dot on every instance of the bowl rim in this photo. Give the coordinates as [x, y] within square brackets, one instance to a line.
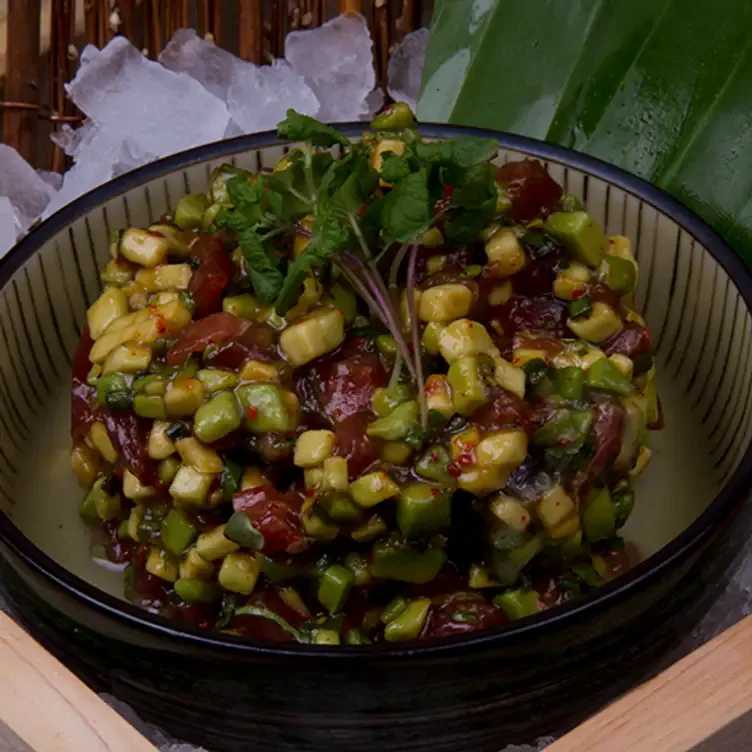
[695, 536]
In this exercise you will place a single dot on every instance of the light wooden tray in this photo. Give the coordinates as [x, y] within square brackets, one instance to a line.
[702, 703]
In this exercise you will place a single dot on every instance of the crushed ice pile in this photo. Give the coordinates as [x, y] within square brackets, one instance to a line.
[138, 110]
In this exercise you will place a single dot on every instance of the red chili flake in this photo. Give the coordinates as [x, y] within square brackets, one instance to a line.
[448, 190]
[469, 324]
[252, 412]
[205, 624]
[577, 294]
[466, 459]
[435, 492]
[563, 442]
[152, 308]
[121, 262]
[454, 470]
[161, 325]
[434, 457]
[523, 518]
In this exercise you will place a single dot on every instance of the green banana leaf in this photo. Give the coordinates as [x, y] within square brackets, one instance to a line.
[662, 88]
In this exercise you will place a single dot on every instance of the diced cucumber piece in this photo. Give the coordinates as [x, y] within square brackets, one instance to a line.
[408, 625]
[195, 591]
[177, 532]
[335, 585]
[423, 509]
[517, 604]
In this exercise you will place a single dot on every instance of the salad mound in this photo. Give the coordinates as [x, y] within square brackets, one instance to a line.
[388, 391]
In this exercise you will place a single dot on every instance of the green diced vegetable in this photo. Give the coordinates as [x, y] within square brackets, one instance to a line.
[273, 570]
[582, 306]
[605, 376]
[517, 604]
[536, 371]
[245, 306]
[230, 478]
[167, 470]
[334, 587]
[189, 213]
[386, 344]
[471, 378]
[395, 117]
[113, 392]
[409, 624]
[423, 509]
[340, 507]
[240, 530]
[239, 573]
[177, 532]
[623, 501]
[195, 591]
[325, 637]
[149, 406]
[215, 380]
[384, 401]
[355, 637]
[433, 465]
[265, 409]
[619, 274]
[99, 504]
[218, 193]
[344, 299]
[569, 382]
[397, 424]
[566, 428]
[570, 203]
[397, 561]
[507, 565]
[599, 516]
[393, 609]
[358, 565]
[582, 236]
[217, 418]
[154, 383]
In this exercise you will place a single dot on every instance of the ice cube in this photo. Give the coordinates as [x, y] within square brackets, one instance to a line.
[160, 111]
[405, 69]
[209, 64]
[100, 154]
[259, 97]
[336, 61]
[9, 225]
[28, 193]
[53, 179]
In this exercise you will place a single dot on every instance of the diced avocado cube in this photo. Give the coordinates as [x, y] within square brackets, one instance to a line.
[189, 213]
[149, 406]
[214, 380]
[214, 545]
[177, 532]
[397, 424]
[194, 567]
[239, 573]
[517, 604]
[373, 488]
[100, 505]
[619, 274]
[217, 418]
[470, 378]
[395, 561]
[340, 507]
[423, 509]
[160, 565]
[581, 235]
[265, 408]
[190, 486]
[409, 624]
[335, 585]
[195, 591]
[599, 516]
[605, 376]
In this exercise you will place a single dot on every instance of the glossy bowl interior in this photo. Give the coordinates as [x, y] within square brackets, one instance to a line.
[699, 316]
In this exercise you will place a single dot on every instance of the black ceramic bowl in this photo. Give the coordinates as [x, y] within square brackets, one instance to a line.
[475, 693]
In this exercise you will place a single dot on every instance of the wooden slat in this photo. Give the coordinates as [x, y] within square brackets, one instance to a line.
[22, 76]
[251, 31]
[45, 708]
[694, 700]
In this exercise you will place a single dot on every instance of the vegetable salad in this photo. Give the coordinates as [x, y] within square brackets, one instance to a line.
[394, 394]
